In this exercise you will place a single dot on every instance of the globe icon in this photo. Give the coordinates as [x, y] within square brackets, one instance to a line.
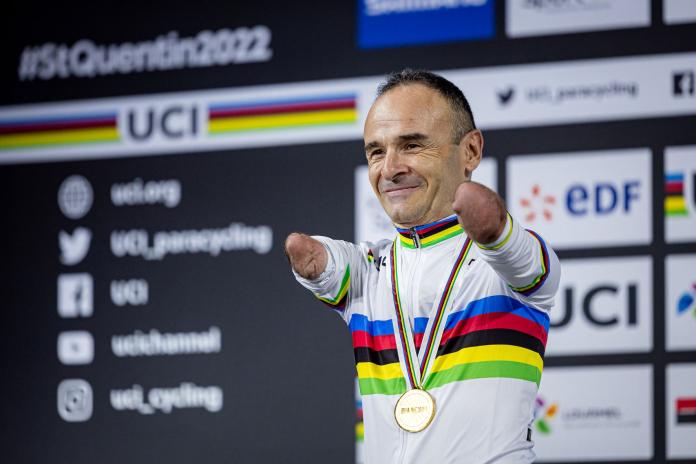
[75, 197]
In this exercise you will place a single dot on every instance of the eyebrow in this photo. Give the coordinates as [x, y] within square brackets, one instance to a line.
[413, 137]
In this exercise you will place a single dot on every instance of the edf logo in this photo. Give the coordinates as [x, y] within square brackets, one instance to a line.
[602, 198]
[584, 199]
[160, 123]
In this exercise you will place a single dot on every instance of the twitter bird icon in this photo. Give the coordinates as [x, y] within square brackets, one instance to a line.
[74, 247]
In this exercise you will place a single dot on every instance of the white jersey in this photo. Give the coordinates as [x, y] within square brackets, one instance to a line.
[475, 331]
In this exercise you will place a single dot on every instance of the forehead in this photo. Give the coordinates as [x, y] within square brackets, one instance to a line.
[408, 108]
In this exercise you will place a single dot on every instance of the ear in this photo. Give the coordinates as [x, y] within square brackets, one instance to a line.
[470, 151]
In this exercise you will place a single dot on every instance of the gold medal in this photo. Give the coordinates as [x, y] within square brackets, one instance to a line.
[415, 410]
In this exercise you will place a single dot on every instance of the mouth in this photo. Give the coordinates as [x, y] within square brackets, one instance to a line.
[400, 191]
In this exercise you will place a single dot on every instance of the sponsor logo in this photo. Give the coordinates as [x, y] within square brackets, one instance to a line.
[597, 413]
[392, 23]
[75, 400]
[133, 292]
[538, 205]
[87, 59]
[675, 200]
[680, 194]
[680, 286]
[686, 410]
[58, 130]
[74, 247]
[687, 301]
[75, 295]
[137, 192]
[589, 313]
[166, 399]
[541, 17]
[236, 237]
[680, 411]
[75, 347]
[161, 122]
[544, 414]
[155, 343]
[683, 84]
[580, 205]
[75, 197]
[607, 300]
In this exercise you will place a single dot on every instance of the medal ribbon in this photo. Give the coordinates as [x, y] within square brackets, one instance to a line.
[444, 299]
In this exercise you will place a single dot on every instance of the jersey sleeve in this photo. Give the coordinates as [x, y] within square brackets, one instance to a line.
[341, 283]
[526, 263]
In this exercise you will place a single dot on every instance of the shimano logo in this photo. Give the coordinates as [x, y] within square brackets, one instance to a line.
[383, 7]
[86, 58]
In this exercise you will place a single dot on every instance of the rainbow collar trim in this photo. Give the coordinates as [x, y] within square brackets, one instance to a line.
[430, 234]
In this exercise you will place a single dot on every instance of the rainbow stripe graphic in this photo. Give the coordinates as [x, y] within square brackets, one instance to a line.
[376, 357]
[496, 336]
[430, 234]
[58, 130]
[339, 301]
[675, 203]
[225, 118]
[419, 325]
[545, 266]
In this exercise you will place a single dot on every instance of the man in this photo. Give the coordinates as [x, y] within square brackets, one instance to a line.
[449, 321]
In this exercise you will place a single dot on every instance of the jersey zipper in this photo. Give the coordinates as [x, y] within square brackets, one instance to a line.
[415, 237]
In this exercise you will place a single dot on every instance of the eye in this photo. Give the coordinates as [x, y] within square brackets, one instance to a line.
[375, 154]
[411, 146]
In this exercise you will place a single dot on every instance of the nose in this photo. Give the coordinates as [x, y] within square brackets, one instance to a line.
[393, 165]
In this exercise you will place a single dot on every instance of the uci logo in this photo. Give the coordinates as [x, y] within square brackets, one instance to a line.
[593, 307]
[172, 122]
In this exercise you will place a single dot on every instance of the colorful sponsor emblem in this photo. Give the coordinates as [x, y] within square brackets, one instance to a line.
[227, 118]
[675, 202]
[48, 131]
[544, 414]
[686, 410]
[687, 301]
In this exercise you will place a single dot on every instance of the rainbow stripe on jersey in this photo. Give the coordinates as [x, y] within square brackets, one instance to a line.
[496, 336]
[376, 357]
[430, 234]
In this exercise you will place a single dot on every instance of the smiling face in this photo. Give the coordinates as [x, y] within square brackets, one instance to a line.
[414, 164]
